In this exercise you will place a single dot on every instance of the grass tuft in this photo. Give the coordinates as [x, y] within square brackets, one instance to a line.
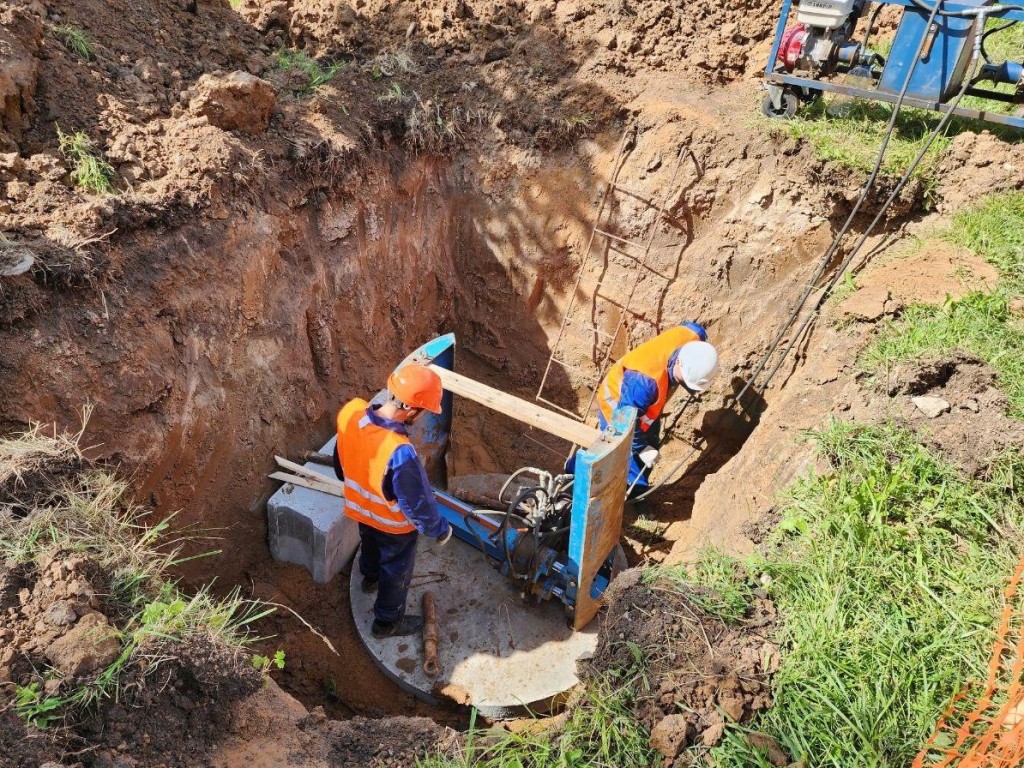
[89, 170]
[88, 513]
[315, 73]
[717, 583]
[995, 231]
[600, 732]
[889, 579]
[75, 40]
[853, 140]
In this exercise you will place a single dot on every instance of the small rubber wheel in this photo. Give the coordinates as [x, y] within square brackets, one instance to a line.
[790, 103]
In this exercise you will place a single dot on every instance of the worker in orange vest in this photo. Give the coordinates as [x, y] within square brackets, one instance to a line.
[645, 378]
[387, 491]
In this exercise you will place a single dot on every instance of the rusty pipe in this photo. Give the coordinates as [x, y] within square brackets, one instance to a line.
[430, 667]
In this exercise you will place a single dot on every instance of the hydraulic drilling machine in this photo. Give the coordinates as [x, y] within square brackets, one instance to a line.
[938, 56]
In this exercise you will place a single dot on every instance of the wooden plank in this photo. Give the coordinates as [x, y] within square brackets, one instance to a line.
[305, 482]
[302, 471]
[522, 410]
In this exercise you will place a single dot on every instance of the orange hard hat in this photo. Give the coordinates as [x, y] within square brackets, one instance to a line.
[417, 387]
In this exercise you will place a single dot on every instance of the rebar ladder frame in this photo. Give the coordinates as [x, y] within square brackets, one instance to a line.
[625, 309]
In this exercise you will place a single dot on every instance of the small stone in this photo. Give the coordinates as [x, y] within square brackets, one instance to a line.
[61, 614]
[669, 736]
[930, 406]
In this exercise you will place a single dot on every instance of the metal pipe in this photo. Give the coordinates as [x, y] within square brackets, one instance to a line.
[430, 665]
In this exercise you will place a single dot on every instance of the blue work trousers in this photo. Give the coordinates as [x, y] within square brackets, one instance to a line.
[389, 559]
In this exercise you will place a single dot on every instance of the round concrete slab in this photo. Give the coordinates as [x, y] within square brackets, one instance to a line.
[496, 653]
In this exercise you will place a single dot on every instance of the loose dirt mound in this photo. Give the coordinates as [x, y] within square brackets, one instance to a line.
[962, 415]
[57, 635]
[702, 672]
[271, 729]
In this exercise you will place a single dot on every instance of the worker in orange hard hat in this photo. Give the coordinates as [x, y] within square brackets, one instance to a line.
[387, 491]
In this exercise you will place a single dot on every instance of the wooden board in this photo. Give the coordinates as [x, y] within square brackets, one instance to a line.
[335, 489]
[519, 409]
[598, 498]
[298, 469]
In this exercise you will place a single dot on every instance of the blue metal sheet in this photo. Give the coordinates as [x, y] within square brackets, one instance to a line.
[940, 71]
[598, 499]
[431, 431]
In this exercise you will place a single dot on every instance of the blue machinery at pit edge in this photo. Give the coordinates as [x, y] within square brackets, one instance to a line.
[558, 539]
[824, 42]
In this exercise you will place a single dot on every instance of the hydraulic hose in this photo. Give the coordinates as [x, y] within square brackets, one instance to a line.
[992, 31]
[834, 247]
[985, 10]
[939, 128]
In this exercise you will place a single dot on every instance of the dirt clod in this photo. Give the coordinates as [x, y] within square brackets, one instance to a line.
[670, 735]
[769, 747]
[714, 672]
[237, 102]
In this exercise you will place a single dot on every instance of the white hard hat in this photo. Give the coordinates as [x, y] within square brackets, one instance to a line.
[697, 361]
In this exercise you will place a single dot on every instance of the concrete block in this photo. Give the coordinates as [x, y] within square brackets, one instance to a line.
[309, 528]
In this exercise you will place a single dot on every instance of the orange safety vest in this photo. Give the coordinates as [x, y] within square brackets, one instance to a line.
[365, 449]
[651, 359]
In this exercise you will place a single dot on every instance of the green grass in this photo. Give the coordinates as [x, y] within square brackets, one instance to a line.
[89, 171]
[854, 139]
[600, 732]
[87, 511]
[722, 587]
[889, 581]
[980, 323]
[995, 231]
[76, 41]
[315, 74]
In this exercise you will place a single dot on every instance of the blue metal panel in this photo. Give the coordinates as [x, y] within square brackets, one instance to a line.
[431, 431]
[598, 498]
[940, 71]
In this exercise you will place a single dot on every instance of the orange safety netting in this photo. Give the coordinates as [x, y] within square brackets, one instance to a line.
[984, 725]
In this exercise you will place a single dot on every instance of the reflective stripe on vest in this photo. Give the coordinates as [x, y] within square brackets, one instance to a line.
[651, 359]
[365, 450]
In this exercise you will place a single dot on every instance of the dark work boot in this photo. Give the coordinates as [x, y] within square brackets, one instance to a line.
[407, 625]
[369, 586]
